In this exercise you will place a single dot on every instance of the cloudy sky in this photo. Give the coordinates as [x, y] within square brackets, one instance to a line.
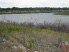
[34, 3]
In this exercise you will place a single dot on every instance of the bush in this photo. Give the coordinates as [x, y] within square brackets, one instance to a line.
[30, 43]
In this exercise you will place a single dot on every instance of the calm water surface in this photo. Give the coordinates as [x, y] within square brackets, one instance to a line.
[34, 17]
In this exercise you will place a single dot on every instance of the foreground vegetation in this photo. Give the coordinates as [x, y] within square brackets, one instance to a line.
[28, 37]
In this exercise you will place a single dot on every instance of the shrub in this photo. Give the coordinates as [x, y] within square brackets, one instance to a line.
[31, 43]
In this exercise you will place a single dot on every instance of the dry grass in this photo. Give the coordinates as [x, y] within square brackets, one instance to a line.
[32, 38]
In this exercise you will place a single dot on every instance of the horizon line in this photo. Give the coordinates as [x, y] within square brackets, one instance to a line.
[33, 7]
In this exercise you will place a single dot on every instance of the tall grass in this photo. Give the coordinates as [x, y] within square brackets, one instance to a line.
[57, 26]
[60, 27]
[39, 37]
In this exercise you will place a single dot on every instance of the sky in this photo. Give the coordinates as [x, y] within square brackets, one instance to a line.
[33, 3]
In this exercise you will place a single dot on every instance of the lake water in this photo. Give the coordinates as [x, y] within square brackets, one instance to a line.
[34, 17]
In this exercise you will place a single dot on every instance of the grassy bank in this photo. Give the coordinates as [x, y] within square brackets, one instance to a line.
[62, 12]
[34, 38]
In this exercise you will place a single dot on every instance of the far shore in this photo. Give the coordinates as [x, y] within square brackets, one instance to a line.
[55, 13]
[16, 10]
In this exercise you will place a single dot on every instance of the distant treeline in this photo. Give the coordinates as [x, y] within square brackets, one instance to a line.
[30, 10]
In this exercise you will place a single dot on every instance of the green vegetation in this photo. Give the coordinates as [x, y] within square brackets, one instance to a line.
[34, 38]
[16, 10]
[62, 12]
[27, 29]
[31, 43]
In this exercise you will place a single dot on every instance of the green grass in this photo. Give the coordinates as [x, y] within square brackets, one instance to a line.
[10, 27]
[32, 37]
[65, 12]
[31, 43]
[55, 33]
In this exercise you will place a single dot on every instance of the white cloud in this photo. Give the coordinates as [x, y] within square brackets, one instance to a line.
[34, 3]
